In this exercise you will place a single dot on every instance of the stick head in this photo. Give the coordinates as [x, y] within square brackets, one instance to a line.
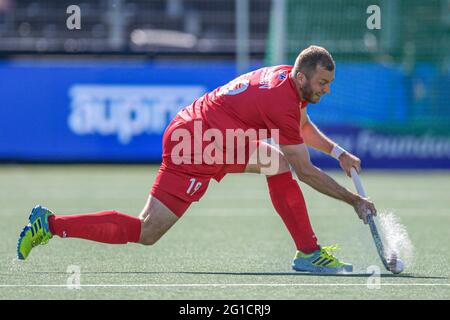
[395, 264]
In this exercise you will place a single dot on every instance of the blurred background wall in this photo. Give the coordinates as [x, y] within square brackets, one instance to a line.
[105, 91]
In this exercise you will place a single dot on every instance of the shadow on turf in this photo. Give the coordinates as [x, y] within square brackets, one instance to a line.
[349, 275]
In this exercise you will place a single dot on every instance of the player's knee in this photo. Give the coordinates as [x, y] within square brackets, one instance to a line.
[150, 234]
[155, 221]
[148, 239]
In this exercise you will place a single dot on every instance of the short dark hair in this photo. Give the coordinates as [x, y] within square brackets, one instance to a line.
[312, 56]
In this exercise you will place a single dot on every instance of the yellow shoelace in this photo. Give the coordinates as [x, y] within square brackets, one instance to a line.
[326, 251]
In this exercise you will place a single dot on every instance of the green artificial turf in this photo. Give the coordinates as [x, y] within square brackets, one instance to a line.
[230, 245]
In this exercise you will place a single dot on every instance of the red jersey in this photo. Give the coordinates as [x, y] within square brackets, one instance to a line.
[263, 99]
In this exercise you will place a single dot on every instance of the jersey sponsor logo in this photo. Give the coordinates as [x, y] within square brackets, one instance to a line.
[234, 87]
[126, 111]
[265, 79]
[282, 75]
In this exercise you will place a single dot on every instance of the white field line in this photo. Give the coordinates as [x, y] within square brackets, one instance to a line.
[224, 285]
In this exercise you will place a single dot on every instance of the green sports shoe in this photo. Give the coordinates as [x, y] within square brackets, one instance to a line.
[36, 232]
[320, 261]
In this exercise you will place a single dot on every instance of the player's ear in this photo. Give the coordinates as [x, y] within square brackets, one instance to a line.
[300, 77]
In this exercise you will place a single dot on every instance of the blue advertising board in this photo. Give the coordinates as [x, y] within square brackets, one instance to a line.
[92, 111]
[388, 151]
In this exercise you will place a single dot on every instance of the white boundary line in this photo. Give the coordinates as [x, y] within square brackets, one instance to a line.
[224, 285]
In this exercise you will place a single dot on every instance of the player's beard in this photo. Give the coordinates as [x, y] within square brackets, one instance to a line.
[308, 93]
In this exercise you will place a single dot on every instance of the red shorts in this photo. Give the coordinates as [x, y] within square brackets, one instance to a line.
[178, 185]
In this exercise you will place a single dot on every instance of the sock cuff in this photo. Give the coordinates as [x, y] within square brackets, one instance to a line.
[135, 230]
[131, 225]
[280, 178]
[50, 221]
[105, 226]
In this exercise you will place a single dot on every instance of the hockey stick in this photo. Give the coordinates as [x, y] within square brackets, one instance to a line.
[373, 228]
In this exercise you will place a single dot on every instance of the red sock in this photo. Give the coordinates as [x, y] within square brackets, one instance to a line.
[287, 198]
[106, 226]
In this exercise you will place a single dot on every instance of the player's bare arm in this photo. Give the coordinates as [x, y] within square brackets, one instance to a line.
[312, 136]
[298, 157]
[316, 139]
